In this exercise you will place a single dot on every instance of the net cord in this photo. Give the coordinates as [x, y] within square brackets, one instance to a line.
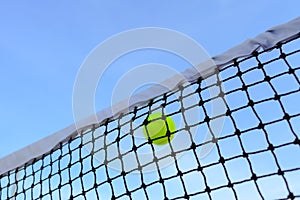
[264, 40]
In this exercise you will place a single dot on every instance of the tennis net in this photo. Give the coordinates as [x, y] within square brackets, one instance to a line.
[254, 155]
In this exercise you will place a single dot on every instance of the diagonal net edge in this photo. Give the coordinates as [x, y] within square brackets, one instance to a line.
[267, 40]
[238, 71]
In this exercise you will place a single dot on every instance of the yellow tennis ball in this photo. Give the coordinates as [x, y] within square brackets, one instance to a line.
[157, 127]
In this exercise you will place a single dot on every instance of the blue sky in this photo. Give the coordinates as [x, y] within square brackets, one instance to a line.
[42, 45]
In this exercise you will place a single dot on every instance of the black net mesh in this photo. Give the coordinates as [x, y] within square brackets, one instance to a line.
[236, 137]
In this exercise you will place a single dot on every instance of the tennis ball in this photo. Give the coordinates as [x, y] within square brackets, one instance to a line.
[157, 127]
